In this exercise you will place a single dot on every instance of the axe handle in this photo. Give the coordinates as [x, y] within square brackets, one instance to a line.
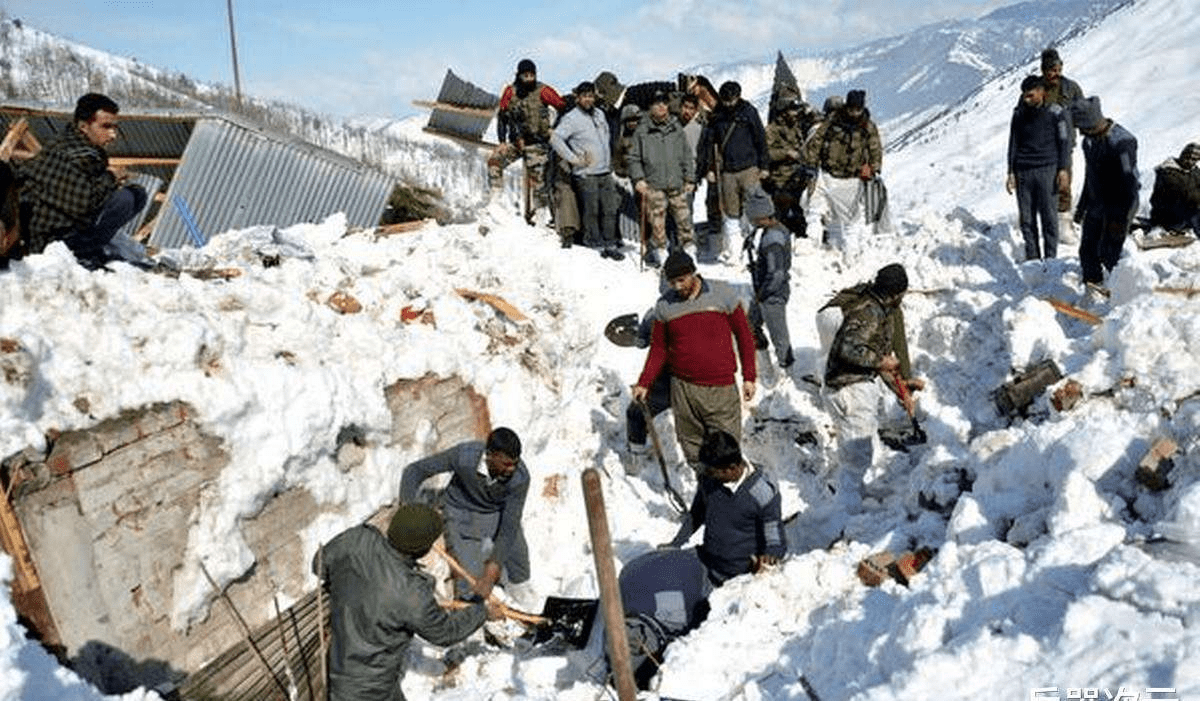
[508, 611]
[901, 391]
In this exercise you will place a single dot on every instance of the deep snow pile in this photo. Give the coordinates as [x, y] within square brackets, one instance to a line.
[1050, 570]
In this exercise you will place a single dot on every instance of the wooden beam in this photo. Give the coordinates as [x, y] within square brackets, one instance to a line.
[401, 228]
[488, 112]
[28, 596]
[30, 143]
[498, 303]
[135, 161]
[1074, 311]
[459, 138]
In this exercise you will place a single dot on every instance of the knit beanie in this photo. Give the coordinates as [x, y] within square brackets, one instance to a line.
[1086, 114]
[1191, 152]
[890, 280]
[630, 111]
[856, 98]
[759, 205]
[414, 528]
[526, 66]
[678, 263]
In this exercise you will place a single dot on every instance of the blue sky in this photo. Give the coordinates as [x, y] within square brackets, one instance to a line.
[374, 57]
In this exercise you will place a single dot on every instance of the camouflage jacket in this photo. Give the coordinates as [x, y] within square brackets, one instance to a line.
[782, 140]
[870, 330]
[840, 146]
[65, 186]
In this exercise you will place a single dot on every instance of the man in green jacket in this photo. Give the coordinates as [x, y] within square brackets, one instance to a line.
[379, 598]
[662, 169]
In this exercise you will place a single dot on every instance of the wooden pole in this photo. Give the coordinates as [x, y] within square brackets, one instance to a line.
[610, 595]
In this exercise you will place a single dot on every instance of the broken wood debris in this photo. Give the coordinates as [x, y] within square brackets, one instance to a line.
[401, 228]
[344, 303]
[1073, 311]
[876, 568]
[1154, 470]
[410, 314]
[498, 303]
[1066, 397]
[1164, 241]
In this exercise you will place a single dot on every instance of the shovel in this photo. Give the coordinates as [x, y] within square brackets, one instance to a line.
[569, 620]
[901, 439]
[673, 496]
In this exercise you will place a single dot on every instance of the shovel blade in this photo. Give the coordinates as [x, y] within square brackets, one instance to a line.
[570, 620]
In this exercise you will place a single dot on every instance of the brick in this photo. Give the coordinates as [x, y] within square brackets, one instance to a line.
[72, 451]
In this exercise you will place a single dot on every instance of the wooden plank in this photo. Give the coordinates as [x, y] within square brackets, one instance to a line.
[1074, 311]
[30, 144]
[1165, 241]
[29, 598]
[457, 109]
[401, 228]
[459, 138]
[1188, 292]
[135, 161]
[12, 138]
[498, 303]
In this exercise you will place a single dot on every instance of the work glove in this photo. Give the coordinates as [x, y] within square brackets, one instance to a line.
[866, 172]
[1010, 183]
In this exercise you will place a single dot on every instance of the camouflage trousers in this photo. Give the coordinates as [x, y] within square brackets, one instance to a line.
[656, 203]
[536, 157]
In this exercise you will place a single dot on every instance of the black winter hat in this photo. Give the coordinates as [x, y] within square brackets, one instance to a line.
[730, 90]
[759, 205]
[856, 98]
[526, 66]
[414, 528]
[890, 280]
[1031, 82]
[1191, 152]
[586, 86]
[678, 263]
[1086, 114]
[1050, 58]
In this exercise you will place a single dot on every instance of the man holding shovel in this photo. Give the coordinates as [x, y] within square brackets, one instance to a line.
[867, 352]
[379, 598]
[483, 505]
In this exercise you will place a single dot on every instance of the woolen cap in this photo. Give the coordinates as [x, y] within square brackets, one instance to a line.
[1191, 152]
[678, 263]
[856, 98]
[1086, 114]
[526, 66]
[890, 280]
[1050, 59]
[414, 528]
[759, 205]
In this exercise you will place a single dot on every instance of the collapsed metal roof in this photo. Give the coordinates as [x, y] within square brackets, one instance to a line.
[224, 173]
[463, 109]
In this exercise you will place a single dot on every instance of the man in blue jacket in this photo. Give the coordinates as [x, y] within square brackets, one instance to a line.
[379, 598]
[483, 505]
[739, 507]
[1110, 190]
[1039, 156]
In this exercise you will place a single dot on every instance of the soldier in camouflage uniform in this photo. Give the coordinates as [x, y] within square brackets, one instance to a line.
[72, 193]
[868, 350]
[788, 178]
[523, 129]
[846, 151]
[662, 169]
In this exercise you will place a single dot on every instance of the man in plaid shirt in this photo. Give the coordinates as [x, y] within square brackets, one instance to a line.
[72, 193]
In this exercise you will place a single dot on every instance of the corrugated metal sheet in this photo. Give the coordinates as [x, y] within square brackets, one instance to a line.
[456, 91]
[232, 176]
[152, 185]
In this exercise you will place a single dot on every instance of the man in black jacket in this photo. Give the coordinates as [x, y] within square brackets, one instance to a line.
[379, 598]
[1175, 200]
[732, 154]
[1039, 155]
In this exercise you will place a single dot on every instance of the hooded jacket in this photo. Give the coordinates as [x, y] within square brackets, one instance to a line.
[659, 154]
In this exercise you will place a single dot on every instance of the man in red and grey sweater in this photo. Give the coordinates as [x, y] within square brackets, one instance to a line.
[696, 324]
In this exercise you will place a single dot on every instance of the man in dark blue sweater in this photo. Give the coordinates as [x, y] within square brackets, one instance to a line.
[1039, 159]
[739, 507]
[1110, 190]
[482, 504]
